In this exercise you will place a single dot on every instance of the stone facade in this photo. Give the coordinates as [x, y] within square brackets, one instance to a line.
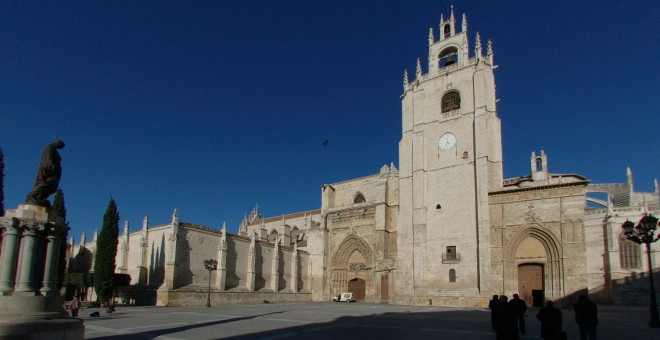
[166, 260]
[443, 228]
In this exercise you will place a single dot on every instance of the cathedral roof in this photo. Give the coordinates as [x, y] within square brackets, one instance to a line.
[524, 183]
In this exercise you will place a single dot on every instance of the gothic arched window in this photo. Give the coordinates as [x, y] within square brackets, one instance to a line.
[359, 198]
[272, 237]
[628, 253]
[451, 101]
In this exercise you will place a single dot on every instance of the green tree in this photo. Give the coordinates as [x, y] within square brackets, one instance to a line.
[106, 250]
[2, 183]
[60, 209]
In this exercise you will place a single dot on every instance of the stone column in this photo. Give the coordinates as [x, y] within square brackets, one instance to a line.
[52, 263]
[142, 278]
[26, 282]
[9, 255]
[123, 251]
[275, 267]
[25, 313]
[170, 258]
[294, 268]
[252, 258]
[221, 275]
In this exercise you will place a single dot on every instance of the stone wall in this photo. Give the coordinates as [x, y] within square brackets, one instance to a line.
[198, 297]
[147, 255]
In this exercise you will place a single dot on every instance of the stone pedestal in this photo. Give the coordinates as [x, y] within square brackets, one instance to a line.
[30, 304]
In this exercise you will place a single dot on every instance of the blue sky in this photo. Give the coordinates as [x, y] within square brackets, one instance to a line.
[214, 106]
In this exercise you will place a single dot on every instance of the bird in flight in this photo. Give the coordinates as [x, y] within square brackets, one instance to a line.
[324, 143]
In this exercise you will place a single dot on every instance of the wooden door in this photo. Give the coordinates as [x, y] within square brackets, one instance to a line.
[384, 288]
[530, 282]
[356, 286]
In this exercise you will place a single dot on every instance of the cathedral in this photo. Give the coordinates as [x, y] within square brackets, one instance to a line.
[444, 228]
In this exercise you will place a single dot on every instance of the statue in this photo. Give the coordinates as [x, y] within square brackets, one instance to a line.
[48, 175]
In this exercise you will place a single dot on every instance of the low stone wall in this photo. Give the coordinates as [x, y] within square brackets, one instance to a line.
[190, 297]
[463, 301]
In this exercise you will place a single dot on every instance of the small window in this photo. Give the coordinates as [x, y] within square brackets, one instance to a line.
[359, 198]
[628, 253]
[452, 275]
[451, 101]
[451, 253]
[539, 165]
[447, 30]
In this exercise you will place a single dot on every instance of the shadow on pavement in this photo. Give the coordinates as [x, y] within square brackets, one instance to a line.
[158, 332]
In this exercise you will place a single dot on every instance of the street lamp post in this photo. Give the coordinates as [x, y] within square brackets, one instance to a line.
[644, 232]
[210, 265]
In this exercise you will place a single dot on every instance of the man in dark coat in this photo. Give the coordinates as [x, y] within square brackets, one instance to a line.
[492, 305]
[551, 320]
[507, 326]
[48, 175]
[586, 316]
[519, 308]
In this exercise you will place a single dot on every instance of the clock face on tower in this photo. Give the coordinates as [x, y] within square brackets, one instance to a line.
[447, 141]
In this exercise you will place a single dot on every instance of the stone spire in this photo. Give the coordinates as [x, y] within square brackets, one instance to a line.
[631, 187]
[82, 239]
[126, 227]
[431, 38]
[175, 217]
[145, 223]
[464, 24]
[405, 80]
[452, 13]
[418, 73]
[477, 46]
[242, 229]
[489, 51]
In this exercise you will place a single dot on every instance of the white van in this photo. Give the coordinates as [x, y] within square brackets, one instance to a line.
[344, 297]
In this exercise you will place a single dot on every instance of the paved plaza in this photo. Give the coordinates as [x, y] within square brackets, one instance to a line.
[337, 321]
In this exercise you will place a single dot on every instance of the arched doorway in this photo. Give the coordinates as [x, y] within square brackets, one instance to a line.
[352, 269]
[357, 287]
[533, 265]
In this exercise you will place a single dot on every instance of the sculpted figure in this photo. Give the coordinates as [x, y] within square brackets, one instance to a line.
[48, 175]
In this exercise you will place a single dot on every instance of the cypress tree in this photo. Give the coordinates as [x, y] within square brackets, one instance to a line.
[60, 209]
[2, 183]
[106, 250]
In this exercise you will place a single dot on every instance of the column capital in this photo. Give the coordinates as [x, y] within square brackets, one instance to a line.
[31, 226]
[10, 225]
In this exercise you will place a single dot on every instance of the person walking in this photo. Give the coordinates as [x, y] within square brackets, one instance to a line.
[551, 321]
[492, 305]
[586, 316]
[519, 308]
[74, 306]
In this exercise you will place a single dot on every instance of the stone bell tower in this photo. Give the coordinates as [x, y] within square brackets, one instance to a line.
[450, 157]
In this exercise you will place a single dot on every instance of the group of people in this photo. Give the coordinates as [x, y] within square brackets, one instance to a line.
[508, 318]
